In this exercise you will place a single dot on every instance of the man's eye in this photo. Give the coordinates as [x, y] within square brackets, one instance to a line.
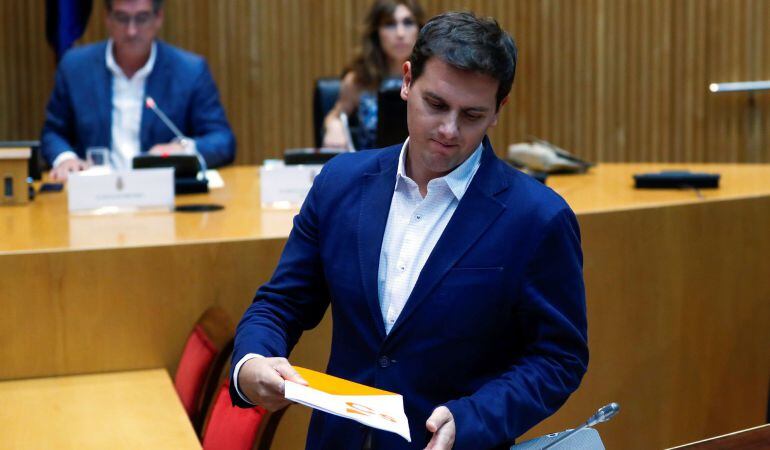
[472, 117]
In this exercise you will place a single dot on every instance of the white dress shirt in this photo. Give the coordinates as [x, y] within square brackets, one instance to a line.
[127, 104]
[414, 226]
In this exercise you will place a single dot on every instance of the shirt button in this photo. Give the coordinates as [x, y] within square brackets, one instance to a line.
[384, 361]
[418, 217]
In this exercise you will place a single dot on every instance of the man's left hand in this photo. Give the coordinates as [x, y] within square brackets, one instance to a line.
[442, 424]
[172, 148]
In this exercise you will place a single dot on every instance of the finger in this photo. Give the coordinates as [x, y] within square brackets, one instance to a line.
[272, 383]
[287, 372]
[442, 440]
[439, 417]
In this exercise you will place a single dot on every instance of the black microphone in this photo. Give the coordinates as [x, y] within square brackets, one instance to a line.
[604, 414]
[150, 103]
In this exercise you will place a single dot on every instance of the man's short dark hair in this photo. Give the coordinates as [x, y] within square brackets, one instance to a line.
[156, 5]
[467, 42]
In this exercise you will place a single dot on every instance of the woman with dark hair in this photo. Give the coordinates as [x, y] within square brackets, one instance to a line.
[390, 31]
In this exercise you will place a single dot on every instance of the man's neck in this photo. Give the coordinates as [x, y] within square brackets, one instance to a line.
[129, 63]
[420, 178]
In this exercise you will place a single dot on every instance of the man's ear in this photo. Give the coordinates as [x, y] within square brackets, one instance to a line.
[406, 83]
[497, 113]
[160, 16]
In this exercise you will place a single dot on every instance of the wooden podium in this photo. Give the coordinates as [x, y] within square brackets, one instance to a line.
[752, 438]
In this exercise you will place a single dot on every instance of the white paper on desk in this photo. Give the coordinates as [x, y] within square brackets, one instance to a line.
[215, 179]
[370, 406]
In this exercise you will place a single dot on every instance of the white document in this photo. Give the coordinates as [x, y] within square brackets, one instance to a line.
[367, 405]
[284, 186]
[95, 191]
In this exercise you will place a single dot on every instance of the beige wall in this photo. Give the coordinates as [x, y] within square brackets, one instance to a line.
[612, 80]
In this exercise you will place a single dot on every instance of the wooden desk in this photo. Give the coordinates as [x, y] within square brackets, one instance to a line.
[125, 410]
[678, 295]
[88, 294]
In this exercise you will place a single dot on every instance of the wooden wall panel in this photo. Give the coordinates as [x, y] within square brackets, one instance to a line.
[612, 80]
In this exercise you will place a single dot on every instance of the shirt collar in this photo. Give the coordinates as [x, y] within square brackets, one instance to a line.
[141, 73]
[457, 180]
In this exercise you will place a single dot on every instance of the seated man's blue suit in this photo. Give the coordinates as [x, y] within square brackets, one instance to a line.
[494, 329]
[79, 113]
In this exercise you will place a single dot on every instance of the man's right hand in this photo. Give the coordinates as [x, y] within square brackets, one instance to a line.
[62, 171]
[261, 380]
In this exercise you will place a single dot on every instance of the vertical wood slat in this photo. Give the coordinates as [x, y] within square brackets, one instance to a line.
[621, 80]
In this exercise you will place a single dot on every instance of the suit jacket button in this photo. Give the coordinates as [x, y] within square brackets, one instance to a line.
[384, 361]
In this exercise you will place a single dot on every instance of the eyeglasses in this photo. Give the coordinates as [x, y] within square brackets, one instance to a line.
[140, 20]
[406, 23]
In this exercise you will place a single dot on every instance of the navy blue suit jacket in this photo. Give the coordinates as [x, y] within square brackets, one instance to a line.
[495, 327]
[79, 113]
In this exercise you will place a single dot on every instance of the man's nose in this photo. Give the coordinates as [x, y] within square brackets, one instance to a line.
[449, 129]
[132, 29]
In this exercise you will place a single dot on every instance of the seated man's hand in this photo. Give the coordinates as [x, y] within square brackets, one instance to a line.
[172, 148]
[62, 171]
[442, 424]
[261, 380]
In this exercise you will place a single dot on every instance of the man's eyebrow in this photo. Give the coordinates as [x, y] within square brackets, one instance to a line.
[434, 96]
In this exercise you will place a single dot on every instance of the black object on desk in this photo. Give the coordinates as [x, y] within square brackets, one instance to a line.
[295, 156]
[35, 163]
[199, 207]
[51, 187]
[676, 179]
[186, 169]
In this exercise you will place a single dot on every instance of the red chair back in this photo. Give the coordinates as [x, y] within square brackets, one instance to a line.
[230, 427]
[203, 357]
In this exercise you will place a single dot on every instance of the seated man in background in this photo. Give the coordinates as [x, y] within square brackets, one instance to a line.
[99, 96]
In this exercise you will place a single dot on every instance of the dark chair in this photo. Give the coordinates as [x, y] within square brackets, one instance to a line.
[204, 356]
[325, 95]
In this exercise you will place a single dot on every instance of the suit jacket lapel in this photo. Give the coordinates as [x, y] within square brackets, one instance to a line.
[155, 87]
[477, 210]
[377, 193]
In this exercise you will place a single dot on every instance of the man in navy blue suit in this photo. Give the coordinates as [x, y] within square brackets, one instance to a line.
[99, 96]
[454, 279]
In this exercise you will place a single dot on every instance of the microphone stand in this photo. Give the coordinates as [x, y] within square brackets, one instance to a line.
[181, 138]
[604, 414]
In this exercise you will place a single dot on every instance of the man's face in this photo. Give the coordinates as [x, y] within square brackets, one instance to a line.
[133, 25]
[448, 113]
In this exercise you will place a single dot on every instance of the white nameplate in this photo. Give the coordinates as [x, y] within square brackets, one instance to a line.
[286, 186]
[121, 191]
